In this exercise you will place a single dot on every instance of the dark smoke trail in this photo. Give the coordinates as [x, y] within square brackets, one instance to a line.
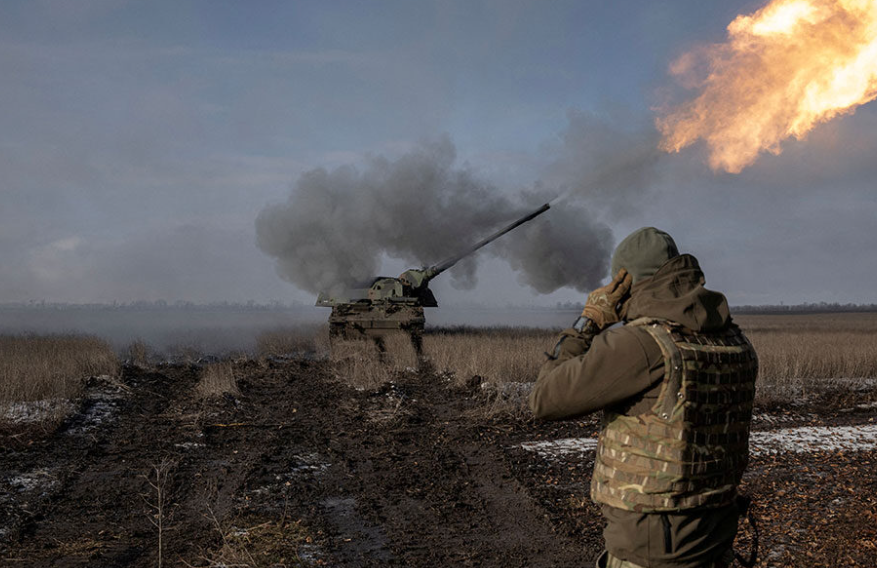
[420, 208]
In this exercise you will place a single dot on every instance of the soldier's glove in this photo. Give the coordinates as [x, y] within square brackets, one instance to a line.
[602, 306]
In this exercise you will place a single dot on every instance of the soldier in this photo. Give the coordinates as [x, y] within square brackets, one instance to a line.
[676, 385]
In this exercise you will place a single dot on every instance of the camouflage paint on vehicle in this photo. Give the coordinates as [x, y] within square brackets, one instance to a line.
[386, 304]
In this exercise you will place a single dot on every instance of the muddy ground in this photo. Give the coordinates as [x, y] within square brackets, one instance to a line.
[302, 469]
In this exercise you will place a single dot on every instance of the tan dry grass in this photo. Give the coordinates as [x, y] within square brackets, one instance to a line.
[296, 340]
[496, 355]
[254, 542]
[51, 367]
[137, 353]
[797, 353]
[505, 361]
[217, 379]
[368, 364]
[800, 354]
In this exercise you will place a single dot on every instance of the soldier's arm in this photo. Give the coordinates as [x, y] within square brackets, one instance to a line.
[590, 373]
[572, 342]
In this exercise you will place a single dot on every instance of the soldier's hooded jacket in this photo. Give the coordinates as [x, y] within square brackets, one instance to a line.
[623, 372]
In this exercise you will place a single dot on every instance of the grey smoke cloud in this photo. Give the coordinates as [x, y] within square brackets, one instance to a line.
[567, 249]
[423, 208]
[605, 163]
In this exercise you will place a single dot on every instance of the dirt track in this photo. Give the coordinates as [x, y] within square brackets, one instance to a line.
[303, 470]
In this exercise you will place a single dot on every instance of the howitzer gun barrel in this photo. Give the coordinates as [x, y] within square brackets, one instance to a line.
[441, 267]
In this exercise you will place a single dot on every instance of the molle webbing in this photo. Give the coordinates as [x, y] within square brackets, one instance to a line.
[691, 449]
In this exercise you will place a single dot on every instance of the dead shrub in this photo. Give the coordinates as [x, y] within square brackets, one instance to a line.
[217, 380]
[51, 367]
[184, 353]
[253, 542]
[506, 399]
[398, 352]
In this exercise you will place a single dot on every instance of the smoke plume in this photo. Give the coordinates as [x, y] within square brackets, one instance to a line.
[604, 163]
[422, 208]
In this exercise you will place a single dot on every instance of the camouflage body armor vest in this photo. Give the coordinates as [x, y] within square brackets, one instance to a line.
[691, 449]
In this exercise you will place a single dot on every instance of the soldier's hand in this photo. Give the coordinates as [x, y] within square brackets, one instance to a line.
[602, 306]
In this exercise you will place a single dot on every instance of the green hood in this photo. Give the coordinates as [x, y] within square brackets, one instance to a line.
[676, 293]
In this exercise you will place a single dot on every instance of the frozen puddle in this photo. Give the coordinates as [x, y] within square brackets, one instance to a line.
[789, 440]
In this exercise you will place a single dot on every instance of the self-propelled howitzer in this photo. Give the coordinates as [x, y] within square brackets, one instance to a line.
[387, 304]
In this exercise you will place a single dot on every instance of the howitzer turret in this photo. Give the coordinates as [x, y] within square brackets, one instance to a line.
[387, 304]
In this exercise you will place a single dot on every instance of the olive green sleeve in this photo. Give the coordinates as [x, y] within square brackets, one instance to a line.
[619, 364]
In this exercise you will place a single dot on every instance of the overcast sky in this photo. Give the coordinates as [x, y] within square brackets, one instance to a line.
[140, 140]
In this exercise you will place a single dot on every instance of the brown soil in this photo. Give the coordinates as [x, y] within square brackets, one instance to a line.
[300, 469]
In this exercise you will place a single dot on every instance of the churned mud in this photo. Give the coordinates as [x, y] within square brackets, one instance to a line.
[301, 469]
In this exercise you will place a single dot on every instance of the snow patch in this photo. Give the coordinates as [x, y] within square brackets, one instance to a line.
[35, 411]
[190, 445]
[815, 439]
[306, 463]
[763, 418]
[788, 440]
[556, 448]
[861, 384]
[101, 407]
[38, 479]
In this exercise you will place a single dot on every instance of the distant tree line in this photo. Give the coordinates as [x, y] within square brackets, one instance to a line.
[155, 305]
[807, 308]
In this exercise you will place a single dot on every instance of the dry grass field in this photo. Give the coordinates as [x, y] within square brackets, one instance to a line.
[798, 354]
[297, 341]
[365, 366]
[51, 367]
[818, 346]
[496, 355]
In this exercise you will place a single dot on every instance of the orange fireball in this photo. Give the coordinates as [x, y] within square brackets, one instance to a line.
[784, 69]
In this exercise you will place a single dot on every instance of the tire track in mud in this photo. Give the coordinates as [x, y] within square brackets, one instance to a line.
[429, 486]
[407, 475]
[95, 514]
